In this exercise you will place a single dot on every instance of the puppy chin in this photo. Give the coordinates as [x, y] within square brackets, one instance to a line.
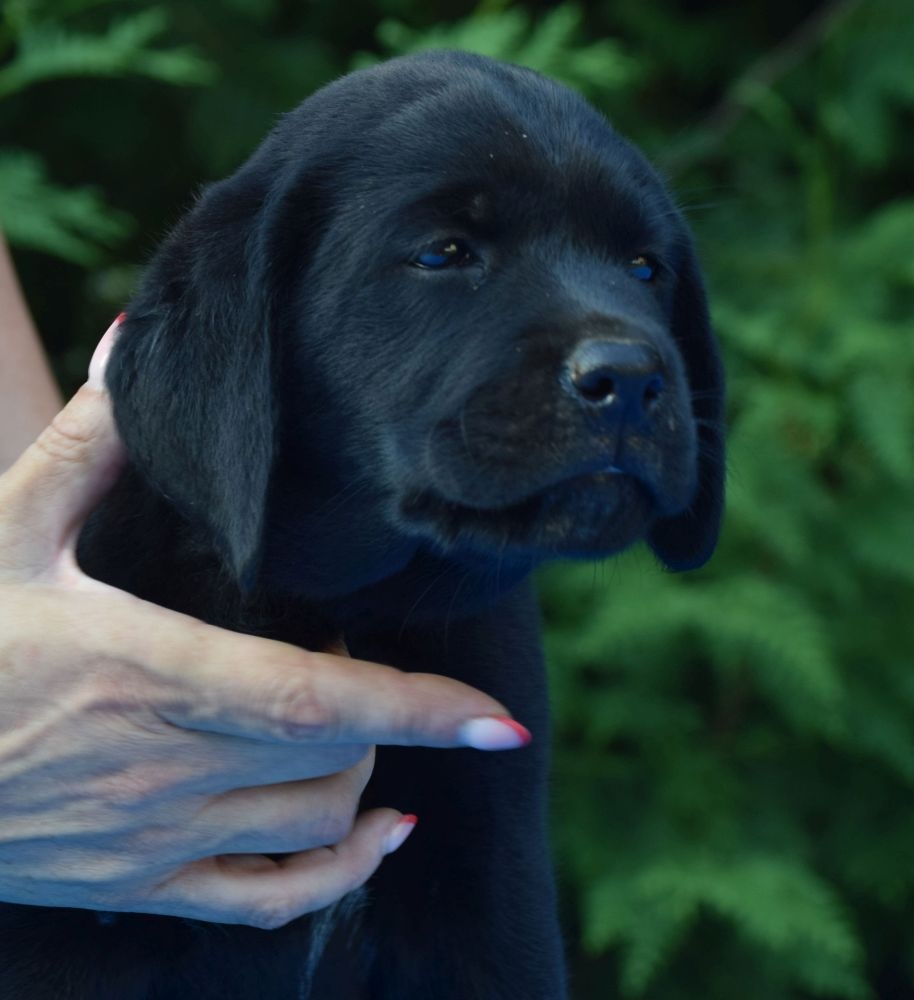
[585, 517]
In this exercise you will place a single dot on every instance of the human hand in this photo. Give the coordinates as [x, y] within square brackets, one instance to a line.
[149, 762]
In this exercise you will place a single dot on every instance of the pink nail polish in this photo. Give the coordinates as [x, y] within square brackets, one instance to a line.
[101, 353]
[399, 833]
[494, 733]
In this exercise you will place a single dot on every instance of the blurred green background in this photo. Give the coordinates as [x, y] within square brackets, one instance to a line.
[734, 767]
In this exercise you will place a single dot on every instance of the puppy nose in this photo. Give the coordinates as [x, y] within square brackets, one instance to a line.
[623, 378]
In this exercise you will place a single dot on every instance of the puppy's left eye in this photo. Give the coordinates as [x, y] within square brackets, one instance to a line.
[444, 254]
[642, 268]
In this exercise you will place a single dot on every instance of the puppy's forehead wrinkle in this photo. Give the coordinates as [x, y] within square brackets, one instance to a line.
[459, 119]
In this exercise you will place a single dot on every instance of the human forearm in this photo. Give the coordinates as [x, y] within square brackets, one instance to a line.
[29, 397]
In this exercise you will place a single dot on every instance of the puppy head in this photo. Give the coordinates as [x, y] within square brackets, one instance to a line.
[444, 307]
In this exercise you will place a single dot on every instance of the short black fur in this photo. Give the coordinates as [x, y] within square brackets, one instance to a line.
[326, 436]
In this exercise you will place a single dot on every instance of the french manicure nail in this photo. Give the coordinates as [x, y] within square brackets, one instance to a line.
[101, 353]
[399, 833]
[494, 733]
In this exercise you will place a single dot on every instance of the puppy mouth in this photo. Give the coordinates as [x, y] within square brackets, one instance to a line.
[588, 515]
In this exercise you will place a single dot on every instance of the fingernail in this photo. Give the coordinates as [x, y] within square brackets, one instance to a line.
[101, 353]
[399, 833]
[494, 733]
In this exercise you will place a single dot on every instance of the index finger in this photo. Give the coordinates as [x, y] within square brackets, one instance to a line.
[240, 685]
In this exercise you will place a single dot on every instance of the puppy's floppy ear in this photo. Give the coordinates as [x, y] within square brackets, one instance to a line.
[191, 375]
[687, 540]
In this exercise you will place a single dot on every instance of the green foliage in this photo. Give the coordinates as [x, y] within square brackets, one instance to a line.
[744, 737]
[69, 223]
[552, 44]
[44, 51]
[36, 47]
[779, 905]
[734, 760]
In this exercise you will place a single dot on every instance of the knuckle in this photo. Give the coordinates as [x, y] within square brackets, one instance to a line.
[303, 717]
[65, 439]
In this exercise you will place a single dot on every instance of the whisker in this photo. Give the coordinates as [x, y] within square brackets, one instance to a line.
[418, 601]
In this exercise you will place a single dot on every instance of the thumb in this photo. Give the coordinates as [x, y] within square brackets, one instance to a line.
[49, 492]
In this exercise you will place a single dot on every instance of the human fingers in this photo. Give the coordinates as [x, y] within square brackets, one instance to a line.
[280, 817]
[238, 685]
[47, 494]
[261, 892]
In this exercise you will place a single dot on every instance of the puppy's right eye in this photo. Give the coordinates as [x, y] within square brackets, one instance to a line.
[444, 254]
[642, 268]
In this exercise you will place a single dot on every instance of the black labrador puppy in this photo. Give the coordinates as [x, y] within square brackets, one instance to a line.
[444, 324]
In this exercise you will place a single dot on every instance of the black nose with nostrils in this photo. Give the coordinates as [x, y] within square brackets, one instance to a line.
[623, 378]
